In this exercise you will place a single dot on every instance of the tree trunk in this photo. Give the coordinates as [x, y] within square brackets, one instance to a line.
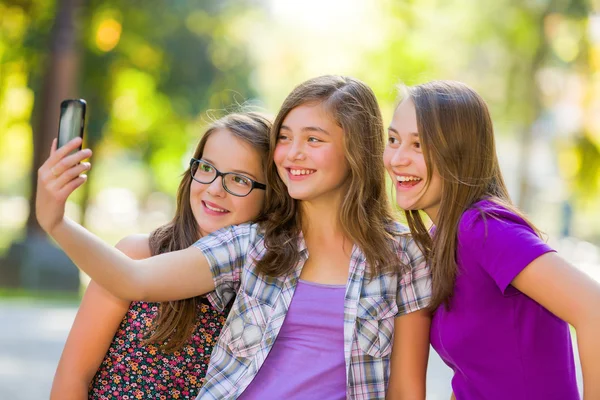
[59, 83]
[36, 263]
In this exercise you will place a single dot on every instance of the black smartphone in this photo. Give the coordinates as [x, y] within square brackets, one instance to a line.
[72, 120]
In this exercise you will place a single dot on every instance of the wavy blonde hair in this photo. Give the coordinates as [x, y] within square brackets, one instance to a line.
[365, 213]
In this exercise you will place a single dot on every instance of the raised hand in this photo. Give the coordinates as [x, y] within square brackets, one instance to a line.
[58, 177]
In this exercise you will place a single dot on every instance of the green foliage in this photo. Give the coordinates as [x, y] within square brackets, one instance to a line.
[171, 62]
[154, 72]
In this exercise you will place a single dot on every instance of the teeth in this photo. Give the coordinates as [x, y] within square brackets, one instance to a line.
[301, 171]
[407, 178]
[215, 209]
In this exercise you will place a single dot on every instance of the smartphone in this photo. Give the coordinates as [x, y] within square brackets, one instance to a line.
[72, 120]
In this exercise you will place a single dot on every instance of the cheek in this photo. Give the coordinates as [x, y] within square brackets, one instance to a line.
[419, 160]
[330, 158]
[387, 157]
[196, 189]
[279, 154]
[248, 208]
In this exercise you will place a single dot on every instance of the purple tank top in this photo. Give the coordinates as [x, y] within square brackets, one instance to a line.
[307, 359]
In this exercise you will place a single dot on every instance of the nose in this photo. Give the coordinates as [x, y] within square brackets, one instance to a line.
[296, 151]
[216, 188]
[400, 158]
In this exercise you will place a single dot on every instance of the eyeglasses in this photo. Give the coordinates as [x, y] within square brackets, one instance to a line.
[234, 183]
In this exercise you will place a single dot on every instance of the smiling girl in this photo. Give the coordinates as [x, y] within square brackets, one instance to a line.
[117, 348]
[319, 286]
[503, 299]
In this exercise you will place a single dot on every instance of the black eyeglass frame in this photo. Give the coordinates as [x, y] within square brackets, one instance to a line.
[255, 185]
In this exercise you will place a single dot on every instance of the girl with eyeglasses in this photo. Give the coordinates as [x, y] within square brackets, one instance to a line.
[117, 348]
[325, 286]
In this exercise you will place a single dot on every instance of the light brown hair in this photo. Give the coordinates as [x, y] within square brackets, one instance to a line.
[365, 213]
[176, 319]
[457, 138]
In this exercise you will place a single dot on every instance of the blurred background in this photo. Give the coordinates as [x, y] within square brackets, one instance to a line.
[154, 73]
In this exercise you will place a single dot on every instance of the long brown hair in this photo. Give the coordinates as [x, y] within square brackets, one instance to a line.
[365, 214]
[457, 138]
[176, 319]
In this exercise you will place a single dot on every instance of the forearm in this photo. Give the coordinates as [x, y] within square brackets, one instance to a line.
[589, 354]
[103, 263]
[166, 277]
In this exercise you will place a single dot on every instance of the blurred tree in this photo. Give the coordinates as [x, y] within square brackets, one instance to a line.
[59, 83]
[35, 263]
[148, 71]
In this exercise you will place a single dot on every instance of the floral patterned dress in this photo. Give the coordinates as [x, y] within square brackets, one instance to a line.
[131, 370]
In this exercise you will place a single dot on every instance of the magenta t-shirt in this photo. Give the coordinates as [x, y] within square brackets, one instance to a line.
[500, 343]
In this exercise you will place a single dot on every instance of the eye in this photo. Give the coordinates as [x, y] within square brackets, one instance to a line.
[417, 145]
[392, 140]
[313, 139]
[240, 180]
[281, 137]
[205, 167]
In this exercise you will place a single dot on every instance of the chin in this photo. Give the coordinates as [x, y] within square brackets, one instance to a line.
[297, 194]
[407, 207]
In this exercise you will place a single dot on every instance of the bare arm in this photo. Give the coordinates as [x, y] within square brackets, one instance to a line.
[97, 320]
[410, 354]
[574, 297]
[171, 276]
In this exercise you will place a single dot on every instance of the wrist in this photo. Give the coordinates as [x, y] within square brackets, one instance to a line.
[57, 227]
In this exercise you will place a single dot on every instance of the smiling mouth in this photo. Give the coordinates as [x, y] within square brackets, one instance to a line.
[214, 209]
[301, 172]
[407, 181]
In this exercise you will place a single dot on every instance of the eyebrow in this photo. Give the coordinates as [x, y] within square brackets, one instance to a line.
[237, 171]
[397, 133]
[307, 129]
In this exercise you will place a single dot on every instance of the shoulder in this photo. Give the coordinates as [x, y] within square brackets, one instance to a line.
[401, 235]
[397, 229]
[135, 246]
[240, 236]
[404, 244]
[487, 213]
[487, 221]
[251, 230]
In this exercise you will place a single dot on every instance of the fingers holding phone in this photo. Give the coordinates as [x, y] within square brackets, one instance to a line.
[65, 165]
[62, 172]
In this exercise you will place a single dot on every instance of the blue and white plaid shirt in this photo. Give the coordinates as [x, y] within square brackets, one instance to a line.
[262, 302]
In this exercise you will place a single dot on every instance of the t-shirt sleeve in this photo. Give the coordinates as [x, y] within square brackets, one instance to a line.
[414, 288]
[501, 243]
[226, 251]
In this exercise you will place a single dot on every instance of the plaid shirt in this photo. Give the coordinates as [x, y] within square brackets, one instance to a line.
[262, 302]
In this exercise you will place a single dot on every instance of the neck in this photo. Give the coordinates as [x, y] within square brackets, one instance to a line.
[321, 219]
